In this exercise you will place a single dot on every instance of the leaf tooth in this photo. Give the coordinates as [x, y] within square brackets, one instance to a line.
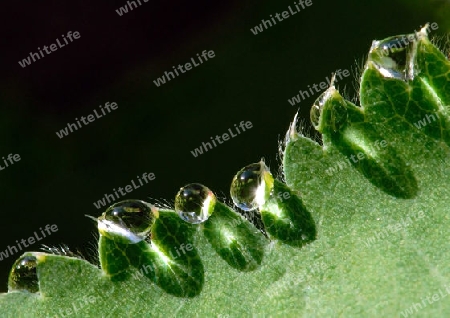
[345, 127]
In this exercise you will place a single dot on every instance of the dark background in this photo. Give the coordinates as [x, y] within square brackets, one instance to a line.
[155, 128]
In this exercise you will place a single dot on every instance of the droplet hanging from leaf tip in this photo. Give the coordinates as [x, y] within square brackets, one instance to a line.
[129, 220]
[315, 115]
[194, 203]
[393, 57]
[134, 214]
[317, 108]
[23, 275]
[249, 188]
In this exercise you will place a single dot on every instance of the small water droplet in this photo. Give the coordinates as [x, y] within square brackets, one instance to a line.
[23, 275]
[248, 188]
[194, 203]
[329, 111]
[316, 110]
[134, 215]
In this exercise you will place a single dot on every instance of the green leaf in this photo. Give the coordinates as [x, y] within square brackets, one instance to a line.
[236, 240]
[377, 192]
[179, 273]
[286, 218]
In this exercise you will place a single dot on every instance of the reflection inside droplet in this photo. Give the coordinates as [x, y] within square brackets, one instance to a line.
[316, 109]
[194, 203]
[315, 114]
[392, 56]
[23, 275]
[134, 215]
[247, 188]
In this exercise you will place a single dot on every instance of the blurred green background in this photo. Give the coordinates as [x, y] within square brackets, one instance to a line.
[155, 128]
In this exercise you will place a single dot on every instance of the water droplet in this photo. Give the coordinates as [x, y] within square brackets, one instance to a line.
[134, 215]
[329, 112]
[392, 56]
[194, 203]
[248, 188]
[23, 275]
[316, 110]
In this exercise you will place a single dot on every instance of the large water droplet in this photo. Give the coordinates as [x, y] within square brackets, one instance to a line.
[23, 275]
[134, 215]
[248, 187]
[393, 57]
[194, 203]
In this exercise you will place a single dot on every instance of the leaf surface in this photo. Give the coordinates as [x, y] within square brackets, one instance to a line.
[382, 218]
